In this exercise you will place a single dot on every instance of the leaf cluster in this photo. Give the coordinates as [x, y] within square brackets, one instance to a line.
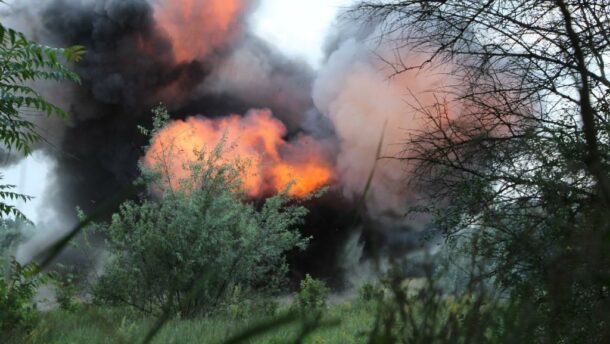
[22, 62]
[18, 286]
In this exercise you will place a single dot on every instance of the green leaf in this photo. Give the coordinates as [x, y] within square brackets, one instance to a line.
[21, 62]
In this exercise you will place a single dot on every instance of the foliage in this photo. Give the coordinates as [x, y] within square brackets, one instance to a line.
[18, 283]
[433, 314]
[11, 234]
[18, 286]
[97, 325]
[7, 194]
[66, 292]
[21, 63]
[312, 295]
[184, 252]
[240, 306]
[513, 157]
[370, 292]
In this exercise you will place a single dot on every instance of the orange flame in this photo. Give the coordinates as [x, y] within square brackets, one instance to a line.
[195, 28]
[275, 165]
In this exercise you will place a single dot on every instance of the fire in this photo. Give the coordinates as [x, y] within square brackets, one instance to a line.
[275, 164]
[195, 28]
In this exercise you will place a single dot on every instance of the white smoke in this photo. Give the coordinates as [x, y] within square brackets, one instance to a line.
[359, 92]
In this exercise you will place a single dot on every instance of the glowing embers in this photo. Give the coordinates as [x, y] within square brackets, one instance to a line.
[274, 164]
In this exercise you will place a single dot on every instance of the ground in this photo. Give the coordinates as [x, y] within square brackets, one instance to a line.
[95, 325]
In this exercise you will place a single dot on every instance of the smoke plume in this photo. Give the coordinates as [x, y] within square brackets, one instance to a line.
[310, 127]
[361, 96]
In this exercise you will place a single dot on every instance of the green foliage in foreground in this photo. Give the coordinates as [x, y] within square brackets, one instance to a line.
[21, 63]
[18, 286]
[107, 325]
[394, 310]
[398, 314]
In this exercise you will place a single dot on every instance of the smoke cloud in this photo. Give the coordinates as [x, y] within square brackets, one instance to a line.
[199, 58]
[361, 96]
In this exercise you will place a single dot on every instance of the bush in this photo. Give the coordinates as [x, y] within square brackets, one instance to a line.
[313, 294]
[186, 250]
[18, 287]
[370, 292]
[65, 293]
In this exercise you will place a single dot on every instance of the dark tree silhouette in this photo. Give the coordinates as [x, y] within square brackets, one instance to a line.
[514, 154]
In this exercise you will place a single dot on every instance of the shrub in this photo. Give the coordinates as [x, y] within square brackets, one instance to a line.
[186, 250]
[433, 311]
[369, 292]
[18, 287]
[313, 294]
[65, 293]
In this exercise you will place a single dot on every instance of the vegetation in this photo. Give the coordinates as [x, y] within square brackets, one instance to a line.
[17, 291]
[11, 234]
[115, 325]
[517, 182]
[66, 292]
[519, 176]
[185, 251]
[22, 62]
[313, 294]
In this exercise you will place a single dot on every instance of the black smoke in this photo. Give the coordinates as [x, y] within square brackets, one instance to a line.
[122, 81]
[129, 68]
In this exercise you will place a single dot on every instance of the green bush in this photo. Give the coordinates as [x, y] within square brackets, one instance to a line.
[186, 250]
[370, 292]
[18, 286]
[313, 294]
[65, 294]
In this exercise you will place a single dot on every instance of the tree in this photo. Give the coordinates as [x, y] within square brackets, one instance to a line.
[187, 248]
[514, 155]
[21, 63]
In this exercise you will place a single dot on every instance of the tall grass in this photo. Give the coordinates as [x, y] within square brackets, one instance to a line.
[99, 325]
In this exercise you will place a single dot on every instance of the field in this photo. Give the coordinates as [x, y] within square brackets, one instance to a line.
[97, 325]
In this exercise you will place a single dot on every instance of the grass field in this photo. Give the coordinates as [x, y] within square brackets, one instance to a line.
[97, 325]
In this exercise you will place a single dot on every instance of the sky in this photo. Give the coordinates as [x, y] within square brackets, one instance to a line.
[296, 27]
[30, 177]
